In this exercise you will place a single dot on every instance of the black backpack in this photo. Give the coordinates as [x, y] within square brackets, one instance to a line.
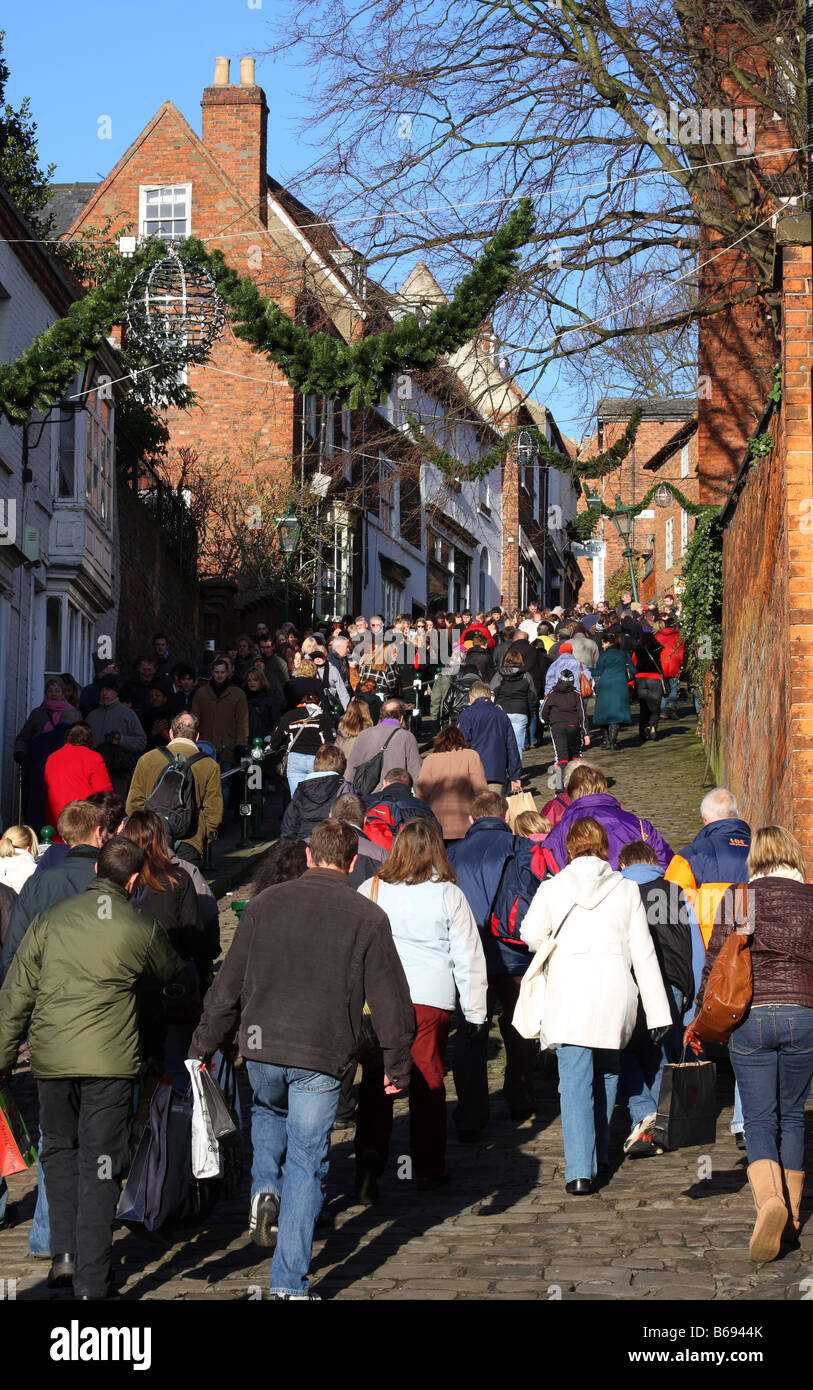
[173, 797]
[368, 775]
[456, 698]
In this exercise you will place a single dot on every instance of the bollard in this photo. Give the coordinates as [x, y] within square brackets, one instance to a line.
[256, 789]
[416, 713]
[46, 838]
[245, 805]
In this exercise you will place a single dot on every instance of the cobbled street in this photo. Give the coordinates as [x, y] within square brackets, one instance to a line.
[669, 1227]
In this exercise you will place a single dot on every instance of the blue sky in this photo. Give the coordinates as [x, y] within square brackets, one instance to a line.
[80, 65]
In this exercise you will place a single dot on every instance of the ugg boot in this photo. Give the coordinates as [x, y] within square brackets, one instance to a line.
[765, 1178]
[794, 1183]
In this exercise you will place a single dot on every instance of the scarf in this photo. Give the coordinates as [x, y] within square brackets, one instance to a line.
[781, 871]
[55, 708]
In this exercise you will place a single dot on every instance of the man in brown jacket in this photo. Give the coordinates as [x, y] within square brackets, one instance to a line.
[206, 776]
[222, 710]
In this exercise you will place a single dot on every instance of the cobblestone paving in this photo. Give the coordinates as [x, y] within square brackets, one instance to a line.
[672, 1227]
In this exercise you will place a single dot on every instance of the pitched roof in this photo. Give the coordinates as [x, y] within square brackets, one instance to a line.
[677, 440]
[66, 203]
[654, 408]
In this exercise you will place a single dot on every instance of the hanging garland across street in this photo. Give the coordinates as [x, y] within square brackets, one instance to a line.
[359, 373]
[582, 527]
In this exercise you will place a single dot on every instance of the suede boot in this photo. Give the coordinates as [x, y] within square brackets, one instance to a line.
[765, 1178]
[794, 1183]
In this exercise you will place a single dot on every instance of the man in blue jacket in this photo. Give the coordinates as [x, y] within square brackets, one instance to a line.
[478, 861]
[487, 729]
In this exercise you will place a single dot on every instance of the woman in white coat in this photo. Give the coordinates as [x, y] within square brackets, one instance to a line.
[19, 848]
[600, 935]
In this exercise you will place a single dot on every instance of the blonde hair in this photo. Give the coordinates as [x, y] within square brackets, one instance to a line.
[531, 823]
[18, 837]
[772, 847]
[309, 645]
[306, 668]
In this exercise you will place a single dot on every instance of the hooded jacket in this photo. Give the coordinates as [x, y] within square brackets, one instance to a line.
[717, 856]
[478, 861]
[565, 662]
[514, 690]
[487, 729]
[564, 705]
[310, 804]
[621, 826]
[41, 891]
[591, 998]
[674, 929]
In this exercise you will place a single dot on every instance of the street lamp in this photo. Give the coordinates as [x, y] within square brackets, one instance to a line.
[662, 496]
[288, 529]
[623, 518]
[527, 449]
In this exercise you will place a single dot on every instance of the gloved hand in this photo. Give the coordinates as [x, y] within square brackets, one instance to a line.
[474, 1031]
[657, 1035]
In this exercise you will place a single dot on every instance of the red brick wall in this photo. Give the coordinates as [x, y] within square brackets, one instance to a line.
[235, 129]
[766, 696]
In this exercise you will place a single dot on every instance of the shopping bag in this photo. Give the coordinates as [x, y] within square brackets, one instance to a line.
[212, 1122]
[687, 1105]
[132, 1202]
[161, 1193]
[519, 802]
[226, 1073]
[16, 1150]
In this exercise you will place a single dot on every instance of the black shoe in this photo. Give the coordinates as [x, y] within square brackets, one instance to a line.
[739, 1139]
[367, 1171]
[579, 1187]
[604, 1168]
[60, 1275]
[263, 1222]
[430, 1184]
[469, 1136]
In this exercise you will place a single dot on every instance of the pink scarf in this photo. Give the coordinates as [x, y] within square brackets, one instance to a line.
[55, 708]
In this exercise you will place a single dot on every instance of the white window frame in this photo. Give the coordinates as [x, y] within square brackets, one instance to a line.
[684, 461]
[392, 600]
[144, 190]
[484, 492]
[389, 499]
[684, 531]
[96, 459]
[669, 544]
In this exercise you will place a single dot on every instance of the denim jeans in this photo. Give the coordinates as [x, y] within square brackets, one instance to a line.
[670, 701]
[519, 723]
[772, 1056]
[737, 1122]
[588, 1081]
[642, 1065]
[291, 1119]
[298, 766]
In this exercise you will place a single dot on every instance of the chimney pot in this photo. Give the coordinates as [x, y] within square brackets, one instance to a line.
[247, 72]
[222, 72]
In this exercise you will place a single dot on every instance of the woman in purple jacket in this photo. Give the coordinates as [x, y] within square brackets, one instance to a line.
[587, 789]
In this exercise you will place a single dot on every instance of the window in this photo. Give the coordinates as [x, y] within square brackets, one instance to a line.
[388, 497]
[346, 441]
[164, 210]
[330, 427]
[310, 416]
[670, 543]
[53, 636]
[336, 587]
[684, 461]
[67, 456]
[392, 601]
[99, 457]
[462, 580]
[484, 575]
[684, 531]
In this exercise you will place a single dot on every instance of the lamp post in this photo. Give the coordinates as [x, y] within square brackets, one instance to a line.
[288, 529]
[622, 518]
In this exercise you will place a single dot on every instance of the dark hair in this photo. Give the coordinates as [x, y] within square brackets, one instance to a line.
[156, 635]
[111, 806]
[417, 855]
[119, 859]
[146, 830]
[80, 734]
[449, 740]
[489, 804]
[349, 809]
[182, 670]
[637, 852]
[329, 758]
[334, 845]
[286, 860]
[397, 774]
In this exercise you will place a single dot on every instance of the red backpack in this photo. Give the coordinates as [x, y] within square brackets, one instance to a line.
[382, 823]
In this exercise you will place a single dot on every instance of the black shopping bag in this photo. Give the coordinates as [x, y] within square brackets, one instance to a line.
[161, 1194]
[131, 1207]
[687, 1105]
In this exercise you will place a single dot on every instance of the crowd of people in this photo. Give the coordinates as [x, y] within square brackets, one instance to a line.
[405, 900]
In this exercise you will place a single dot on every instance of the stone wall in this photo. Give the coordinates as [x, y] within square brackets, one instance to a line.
[156, 595]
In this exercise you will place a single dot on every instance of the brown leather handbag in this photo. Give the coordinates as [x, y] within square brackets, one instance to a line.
[729, 991]
[585, 686]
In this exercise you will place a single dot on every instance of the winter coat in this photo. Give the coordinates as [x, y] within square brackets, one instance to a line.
[717, 856]
[263, 714]
[477, 627]
[591, 998]
[675, 933]
[672, 644]
[298, 994]
[438, 944]
[554, 809]
[585, 650]
[481, 660]
[401, 751]
[612, 675]
[310, 804]
[302, 730]
[631, 633]
[646, 658]
[17, 868]
[781, 912]
[71, 774]
[565, 663]
[42, 891]
[488, 731]
[208, 788]
[176, 907]
[514, 691]
[8, 898]
[117, 718]
[74, 978]
[403, 805]
[478, 861]
[449, 783]
[537, 663]
[621, 826]
[41, 721]
[564, 705]
[223, 720]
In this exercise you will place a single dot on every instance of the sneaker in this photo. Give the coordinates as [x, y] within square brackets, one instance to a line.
[640, 1142]
[739, 1139]
[263, 1221]
[309, 1297]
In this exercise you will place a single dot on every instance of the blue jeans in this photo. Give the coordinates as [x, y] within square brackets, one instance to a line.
[291, 1119]
[298, 766]
[642, 1067]
[519, 723]
[588, 1081]
[670, 701]
[772, 1056]
[737, 1123]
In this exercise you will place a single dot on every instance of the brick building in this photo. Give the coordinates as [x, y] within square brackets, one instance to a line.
[665, 450]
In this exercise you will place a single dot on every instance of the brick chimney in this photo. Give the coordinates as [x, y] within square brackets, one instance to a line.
[235, 130]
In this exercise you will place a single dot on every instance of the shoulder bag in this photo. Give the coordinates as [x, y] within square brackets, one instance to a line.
[729, 990]
[530, 1005]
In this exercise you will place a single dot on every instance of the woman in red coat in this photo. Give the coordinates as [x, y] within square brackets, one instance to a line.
[672, 648]
[73, 772]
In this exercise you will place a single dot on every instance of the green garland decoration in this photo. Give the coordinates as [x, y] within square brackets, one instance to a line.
[582, 527]
[315, 363]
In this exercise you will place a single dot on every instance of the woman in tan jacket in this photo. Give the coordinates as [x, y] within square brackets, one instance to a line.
[451, 777]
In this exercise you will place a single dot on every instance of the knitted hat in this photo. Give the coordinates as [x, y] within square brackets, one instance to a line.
[567, 676]
[566, 647]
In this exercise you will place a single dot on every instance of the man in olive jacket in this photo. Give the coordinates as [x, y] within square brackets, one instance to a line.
[205, 775]
[304, 958]
[73, 981]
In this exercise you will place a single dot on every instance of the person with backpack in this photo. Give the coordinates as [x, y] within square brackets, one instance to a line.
[488, 731]
[564, 713]
[377, 750]
[650, 685]
[589, 796]
[387, 810]
[490, 862]
[515, 692]
[458, 692]
[301, 732]
[183, 787]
